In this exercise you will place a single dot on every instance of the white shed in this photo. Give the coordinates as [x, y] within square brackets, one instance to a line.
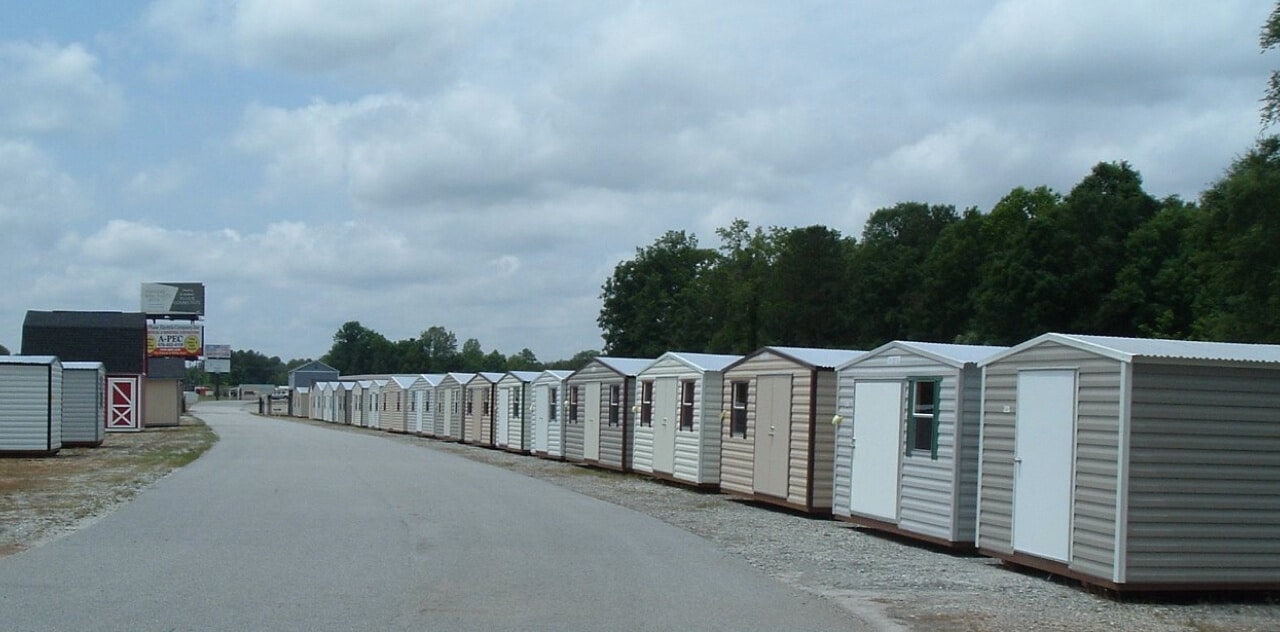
[678, 425]
[512, 419]
[84, 404]
[30, 405]
[449, 418]
[423, 395]
[907, 444]
[547, 412]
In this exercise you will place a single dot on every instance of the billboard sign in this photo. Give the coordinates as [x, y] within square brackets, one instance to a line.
[173, 299]
[217, 358]
[174, 340]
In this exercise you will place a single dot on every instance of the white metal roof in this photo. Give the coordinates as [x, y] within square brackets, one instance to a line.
[83, 365]
[821, 358]
[554, 374]
[1127, 349]
[524, 376]
[700, 361]
[625, 366]
[31, 359]
[432, 378]
[945, 353]
[405, 381]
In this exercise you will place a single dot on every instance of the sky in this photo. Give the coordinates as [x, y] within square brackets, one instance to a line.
[483, 165]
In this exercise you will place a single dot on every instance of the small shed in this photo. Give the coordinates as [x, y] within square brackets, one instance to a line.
[907, 444]
[677, 433]
[1132, 464]
[424, 399]
[451, 394]
[548, 413]
[307, 375]
[360, 397]
[377, 403]
[400, 408]
[779, 444]
[300, 401]
[599, 430]
[481, 394]
[84, 404]
[512, 419]
[344, 405]
[30, 405]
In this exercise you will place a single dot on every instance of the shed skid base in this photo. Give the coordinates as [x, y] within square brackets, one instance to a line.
[817, 512]
[81, 444]
[669, 478]
[26, 454]
[889, 527]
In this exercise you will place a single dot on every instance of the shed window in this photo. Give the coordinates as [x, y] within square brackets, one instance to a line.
[573, 404]
[922, 424]
[738, 414]
[646, 403]
[485, 409]
[686, 404]
[469, 406]
[515, 403]
[552, 412]
[615, 404]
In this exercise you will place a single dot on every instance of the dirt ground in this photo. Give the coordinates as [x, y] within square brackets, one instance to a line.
[42, 498]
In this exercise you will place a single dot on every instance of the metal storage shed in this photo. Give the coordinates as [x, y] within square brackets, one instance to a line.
[84, 404]
[779, 444]
[599, 428]
[344, 403]
[548, 413]
[1133, 464]
[907, 447]
[512, 419]
[400, 406]
[360, 396]
[377, 404]
[311, 373]
[450, 394]
[678, 425]
[424, 397]
[481, 395]
[116, 339]
[300, 401]
[30, 405]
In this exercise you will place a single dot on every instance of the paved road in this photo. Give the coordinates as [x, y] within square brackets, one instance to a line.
[284, 526]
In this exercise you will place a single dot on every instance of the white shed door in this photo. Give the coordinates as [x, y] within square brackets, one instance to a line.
[1044, 437]
[504, 418]
[664, 424]
[591, 429]
[538, 412]
[772, 457]
[877, 448]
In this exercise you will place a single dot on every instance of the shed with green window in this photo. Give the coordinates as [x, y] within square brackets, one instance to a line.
[907, 440]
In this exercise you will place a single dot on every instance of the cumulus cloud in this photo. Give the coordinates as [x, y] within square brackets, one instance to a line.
[36, 196]
[47, 89]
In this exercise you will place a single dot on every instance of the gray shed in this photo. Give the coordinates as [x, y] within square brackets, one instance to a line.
[450, 394]
[907, 443]
[1133, 464]
[513, 419]
[30, 405]
[84, 404]
[549, 409]
[599, 429]
[308, 374]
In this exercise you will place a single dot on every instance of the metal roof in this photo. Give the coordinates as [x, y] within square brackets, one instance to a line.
[524, 376]
[625, 366]
[405, 381]
[555, 374]
[84, 365]
[1127, 349]
[28, 359]
[701, 361]
[949, 354]
[432, 378]
[820, 358]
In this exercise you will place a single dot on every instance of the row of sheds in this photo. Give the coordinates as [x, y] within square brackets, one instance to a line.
[1129, 464]
[47, 404]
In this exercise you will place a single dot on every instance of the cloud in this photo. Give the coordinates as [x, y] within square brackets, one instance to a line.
[156, 182]
[36, 197]
[49, 89]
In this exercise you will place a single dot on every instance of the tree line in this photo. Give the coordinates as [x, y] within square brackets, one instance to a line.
[1105, 258]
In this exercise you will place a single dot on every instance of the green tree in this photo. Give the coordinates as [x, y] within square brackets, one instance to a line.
[804, 300]
[650, 305]
[471, 360]
[1238, 250]
[887, 276]
[437, 351]
[1269, 40]
[495, 362]
[1155, 288]
[4, 350]
[944, 308]
[733, 285]
[251, 367]
[524, 361]
[358, 350]
[577, 361]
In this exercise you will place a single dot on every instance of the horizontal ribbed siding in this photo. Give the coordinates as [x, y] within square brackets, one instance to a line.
[30, 407]
[83, 406]
[1097, 452]
[1204, 470]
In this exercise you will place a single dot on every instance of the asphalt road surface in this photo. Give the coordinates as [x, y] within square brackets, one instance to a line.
[284, 526]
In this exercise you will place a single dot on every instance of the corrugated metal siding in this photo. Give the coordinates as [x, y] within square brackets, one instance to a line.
[83, 406]
[1203, 473]
[30, 407]
[1097, 441]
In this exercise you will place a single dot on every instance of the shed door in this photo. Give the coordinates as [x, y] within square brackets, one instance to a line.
[1044, 437]
[503, 416]
[773, 435]
[664, 424]
[877, 448]
[541, 417]
[122, 403]
[447, 412]
[591, 429]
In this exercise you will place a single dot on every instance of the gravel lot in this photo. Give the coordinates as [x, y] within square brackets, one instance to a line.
[893, 584]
